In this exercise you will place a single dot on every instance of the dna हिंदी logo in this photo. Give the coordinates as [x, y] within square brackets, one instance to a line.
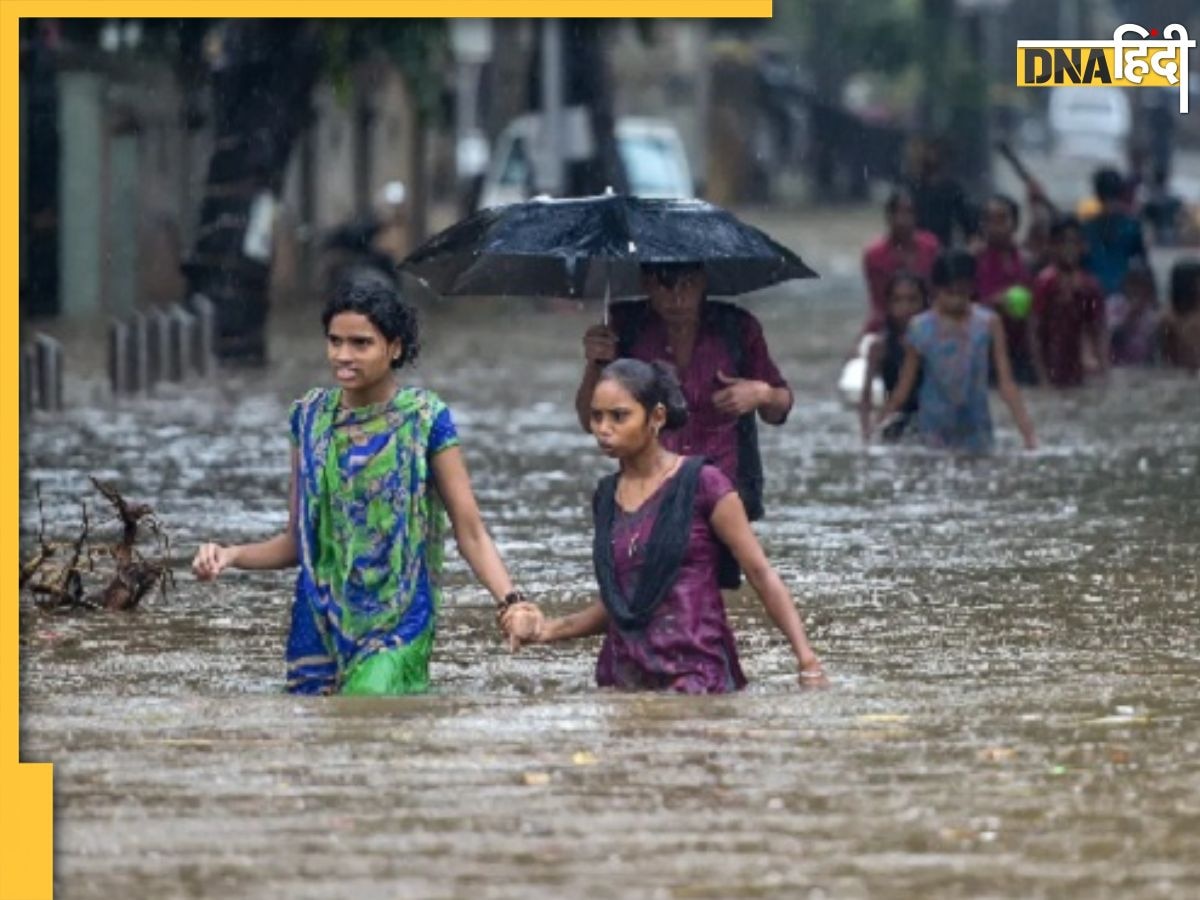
[1142, 60]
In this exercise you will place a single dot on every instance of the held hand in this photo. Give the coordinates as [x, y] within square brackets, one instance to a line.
[812, 675]
[522, 624]
[600, 344]
[740, 395]
[883, 419]
[211, 560]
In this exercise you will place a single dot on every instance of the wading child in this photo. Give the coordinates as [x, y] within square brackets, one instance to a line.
[660, 523]
[1003, 282]
[903, 248]
[1068, 311]
[375, 468]
[950, 346]
[1113, 238]
[1134, 322]
[1181, 328]
[906, 297]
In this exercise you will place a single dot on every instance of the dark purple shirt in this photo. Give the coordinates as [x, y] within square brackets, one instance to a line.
[708, 432]
[1067, 306]
[687, 646]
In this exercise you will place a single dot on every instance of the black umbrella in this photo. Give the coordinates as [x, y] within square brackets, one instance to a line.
[596, 247]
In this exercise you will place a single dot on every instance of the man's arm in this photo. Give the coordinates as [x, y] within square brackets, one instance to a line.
[775, 399]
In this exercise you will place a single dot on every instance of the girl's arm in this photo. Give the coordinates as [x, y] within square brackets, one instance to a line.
[1008, 388]
[1101, 342]
[1034, 338]
[279, 552]
[525, 624]
[733, 529]
[905, 386]
[474, 542]
[874, 363]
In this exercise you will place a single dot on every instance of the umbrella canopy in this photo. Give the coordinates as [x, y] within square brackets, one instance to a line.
[596, 247]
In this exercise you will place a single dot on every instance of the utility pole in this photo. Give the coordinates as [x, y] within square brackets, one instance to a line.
[471, 42]
[552, 172]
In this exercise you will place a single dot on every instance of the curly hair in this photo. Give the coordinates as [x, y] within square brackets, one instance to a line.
[384, 306]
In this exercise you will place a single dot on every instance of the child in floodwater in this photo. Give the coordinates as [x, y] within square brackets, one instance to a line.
[660, 523]
[1000, 272]
[903, 247]
[1181, 327]
[1134, 322]
[375, 468]
[907, 296]
[949, 347]
[1068, 311]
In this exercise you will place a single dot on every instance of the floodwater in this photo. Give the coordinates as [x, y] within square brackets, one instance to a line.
[1013, 645]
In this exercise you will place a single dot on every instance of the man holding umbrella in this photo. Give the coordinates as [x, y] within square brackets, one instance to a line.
[675, 253]
[724, 367]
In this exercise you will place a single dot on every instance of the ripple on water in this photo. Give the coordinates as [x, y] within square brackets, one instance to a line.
[1012, 641]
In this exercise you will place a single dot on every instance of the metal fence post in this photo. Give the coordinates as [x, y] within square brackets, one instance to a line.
[179, 343]
[205, 335]
[118, 357]
[28, 381]
[49, 356]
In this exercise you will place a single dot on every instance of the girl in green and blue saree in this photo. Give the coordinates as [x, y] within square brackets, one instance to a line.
[376, 468]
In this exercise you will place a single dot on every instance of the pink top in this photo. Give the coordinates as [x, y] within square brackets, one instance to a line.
[996, 270]
[882, 259]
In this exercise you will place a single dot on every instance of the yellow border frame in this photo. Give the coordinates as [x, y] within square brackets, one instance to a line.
[26, 789]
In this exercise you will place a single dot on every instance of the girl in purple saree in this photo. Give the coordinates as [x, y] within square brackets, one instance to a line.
[660, 523]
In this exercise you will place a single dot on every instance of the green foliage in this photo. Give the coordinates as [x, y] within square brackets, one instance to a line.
[882, 36]
[418, 48]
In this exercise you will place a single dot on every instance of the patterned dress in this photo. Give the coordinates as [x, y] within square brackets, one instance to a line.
[952, 403]
[370, 529]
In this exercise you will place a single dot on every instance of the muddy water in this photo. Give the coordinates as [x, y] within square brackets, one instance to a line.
[1013, 642]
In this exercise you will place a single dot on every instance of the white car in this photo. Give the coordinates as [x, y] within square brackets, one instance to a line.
[1091, 123]
[651, 149]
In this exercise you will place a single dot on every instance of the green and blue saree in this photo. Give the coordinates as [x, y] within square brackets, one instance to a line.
[370, 529]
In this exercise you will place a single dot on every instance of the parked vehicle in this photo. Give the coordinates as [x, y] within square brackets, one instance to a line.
[651, 149]
[1092, 123]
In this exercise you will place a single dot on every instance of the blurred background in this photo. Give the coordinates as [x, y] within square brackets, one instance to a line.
[253, 160]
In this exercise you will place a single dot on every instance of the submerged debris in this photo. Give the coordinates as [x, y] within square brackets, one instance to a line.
[55, 573]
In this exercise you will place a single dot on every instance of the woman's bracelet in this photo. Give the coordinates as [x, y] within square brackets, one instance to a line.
[512, 598]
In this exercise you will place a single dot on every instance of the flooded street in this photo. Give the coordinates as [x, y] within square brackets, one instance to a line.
[1014, 646]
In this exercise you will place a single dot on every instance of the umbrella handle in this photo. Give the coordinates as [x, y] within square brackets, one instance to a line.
[607, 290]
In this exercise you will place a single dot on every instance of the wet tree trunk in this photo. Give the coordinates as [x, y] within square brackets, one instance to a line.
[933, 113]
[828, 71]
[587, 83]
[262, 80]
[418, 194]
